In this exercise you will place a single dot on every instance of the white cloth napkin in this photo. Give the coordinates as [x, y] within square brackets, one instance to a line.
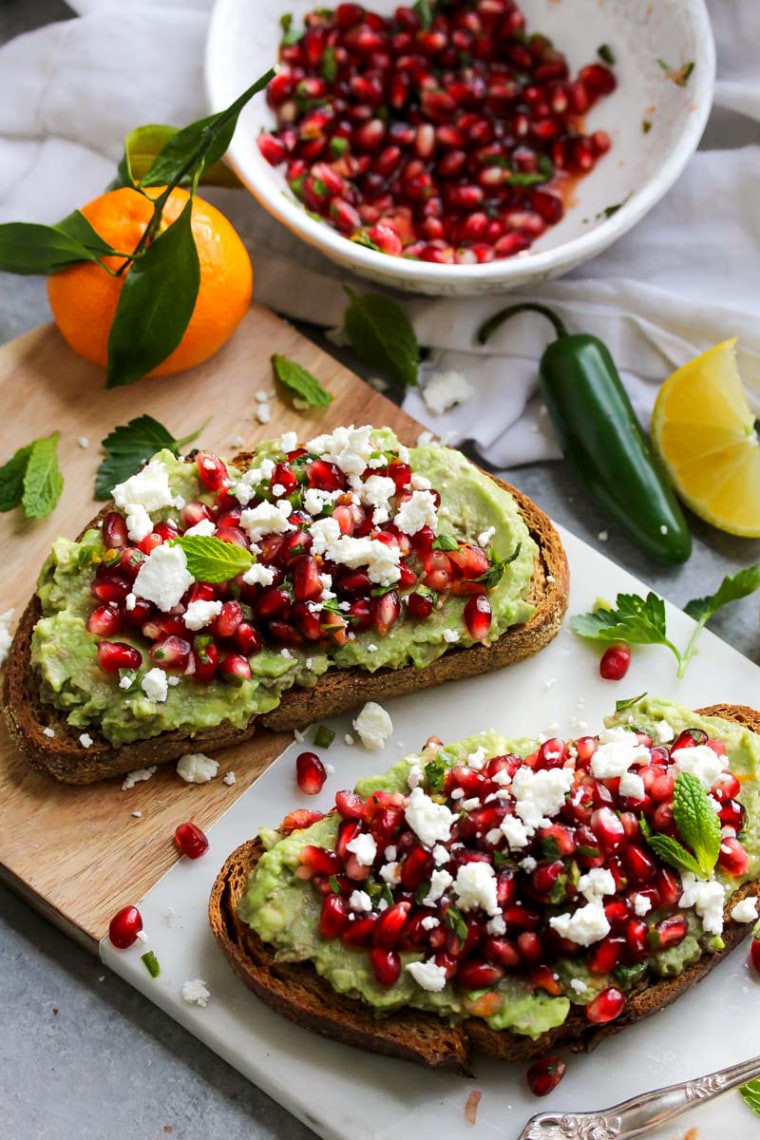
[685, 278]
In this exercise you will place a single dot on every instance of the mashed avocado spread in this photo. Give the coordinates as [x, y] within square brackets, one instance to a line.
[65, 653]
[284, 909]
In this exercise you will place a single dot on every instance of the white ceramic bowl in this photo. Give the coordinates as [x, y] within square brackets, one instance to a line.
[643, 164]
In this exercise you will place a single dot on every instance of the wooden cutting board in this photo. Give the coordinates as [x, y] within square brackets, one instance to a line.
[79, 854]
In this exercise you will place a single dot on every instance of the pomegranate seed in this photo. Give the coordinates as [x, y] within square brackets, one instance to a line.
[545, 1075]
[754, 951]
[333, 917]
[605, 955]
[111, 588]
[234, 670]
[310, 773]
[385, 611]
[732, 857]
[190, 840]
[314, 860]
[606, 1006]
[732, 814]
[116, 655]
[272, 148]
[212, 472]
[597, 79]
[389, 927]
[114, 531]
[299, 819]
[359, 932]
[478, 617]
[349, 804]
[206, 661]
[478, 974]
[607, 828]
[669, 932]
[416, 868]
[104, 621]
[124, 927]
[636, 940]
[726, 787]
[615, 662]
[386, 964]
[171, 653]
[638, 863]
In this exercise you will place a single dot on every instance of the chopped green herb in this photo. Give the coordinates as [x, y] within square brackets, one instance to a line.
[605, 52]
[445, 542]
[329, 65]
[324, 736]
[150, 961]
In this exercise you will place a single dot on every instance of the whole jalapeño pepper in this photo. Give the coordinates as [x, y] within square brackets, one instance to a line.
[601, 436]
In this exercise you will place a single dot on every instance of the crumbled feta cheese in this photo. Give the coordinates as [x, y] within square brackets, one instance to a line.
[632, 785]
[430, 922]
[745, 911]
[485, 536]
[130, 601]
[136, 814]
[426, 439]
[701, 762]
[266, 518]
[475, 886]
[428, 975]
[325, 534]
[155, 685]
[664, 732]
[83, 442]
[363, 846]
[197, 768]
[440, 855]
[381, 560]
[229, 778]
[142, 936]
[49, 732]
[540, 794]
[5, 634]
[444, 390]
[515, 832]
[578, 985]
[586, 925]
[431, 822]
[529, 864]
[390, 853]
[85, 740]
[706, 896]
[199, 613]
[440, 881]
[360, 901]
[496, 926]
[136, 777]
[596, 883]
[259, 575]
[196, 992]
[263, 413]
[288, 441]
[618, 751]
[416, 512]
[642, 905]
[374, 726]
[414, 776]
[149, 488]
[348, 738]
[164, 577]
[139, 523]
[391, 872]
[477, 759]
[450, 636]
[278, 490]
[203, 529]
[350, 448]
[261, 397]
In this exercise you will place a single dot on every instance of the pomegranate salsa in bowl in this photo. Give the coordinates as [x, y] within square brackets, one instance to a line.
[465, 146]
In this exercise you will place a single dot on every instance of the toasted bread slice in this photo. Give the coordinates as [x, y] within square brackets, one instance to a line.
[64, 757]
[298, 992]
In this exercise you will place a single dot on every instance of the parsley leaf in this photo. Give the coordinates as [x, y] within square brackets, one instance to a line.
[732, 588]
[300, 382]
[43, 481]
[435, 773]
[128, 446]
[211, 560]
[380, 332]
[637, 621]
[696, 820]
[751, 1094]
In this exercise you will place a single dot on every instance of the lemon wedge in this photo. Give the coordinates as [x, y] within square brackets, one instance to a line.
[704, 432]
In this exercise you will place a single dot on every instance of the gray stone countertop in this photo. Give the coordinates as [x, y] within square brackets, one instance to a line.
[81, 1053]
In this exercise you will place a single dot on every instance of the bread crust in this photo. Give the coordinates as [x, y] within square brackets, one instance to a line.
[296, 990]
[64, 757]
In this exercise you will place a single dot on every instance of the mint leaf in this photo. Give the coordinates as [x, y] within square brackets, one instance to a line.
[211, 560]
[43, 481]
[301, 382]
[696, 821]
[155, 304]
[130, 445]
[12, 478]
[751, 1094]
[454, 920]
[380, 333]
[637, 621]
[674, 853]
[445, 542]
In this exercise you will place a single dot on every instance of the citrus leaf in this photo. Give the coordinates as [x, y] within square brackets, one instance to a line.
[43, 481]
[142, 147]
[28, 248]
[199, 146]
[301, 382]
[12, 478]
[697, 823]
[128, 446]
[380, 333]
[155, 304]
[76, 226]
[211, 560]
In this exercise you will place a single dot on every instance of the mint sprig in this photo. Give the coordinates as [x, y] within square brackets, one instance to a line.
[300, 382]
[31, 479]
[698, 825]
[211, 560]
[130, 445]
[380, 332]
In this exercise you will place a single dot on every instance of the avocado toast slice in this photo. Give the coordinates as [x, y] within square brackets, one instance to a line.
[643, 936]
[124, 658]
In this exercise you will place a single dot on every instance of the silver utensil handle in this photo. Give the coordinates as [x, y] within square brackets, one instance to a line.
[640, 1114]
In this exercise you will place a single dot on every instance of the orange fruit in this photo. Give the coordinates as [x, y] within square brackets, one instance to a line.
[84, 296]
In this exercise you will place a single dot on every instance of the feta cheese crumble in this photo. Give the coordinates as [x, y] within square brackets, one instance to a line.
[431, 822]
[5, 634]
[374, 726]
[586, 925]
[200, 613]
[475, 886]
[745, 911]
[197, 768]
[444, 390]
[196, 992]
[428, 975]
[364, 848]
[136, 777]
[163, 577]
[155, 685]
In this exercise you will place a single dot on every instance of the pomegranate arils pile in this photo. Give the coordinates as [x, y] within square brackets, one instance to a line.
[482, 898]
[451, 142]
[300, 598]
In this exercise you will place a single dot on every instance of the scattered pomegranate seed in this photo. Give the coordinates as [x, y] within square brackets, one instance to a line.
[124, 927]
[606, 1006]
[545, 1075]
[190, 840]
[615, 662]
[310, 773]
